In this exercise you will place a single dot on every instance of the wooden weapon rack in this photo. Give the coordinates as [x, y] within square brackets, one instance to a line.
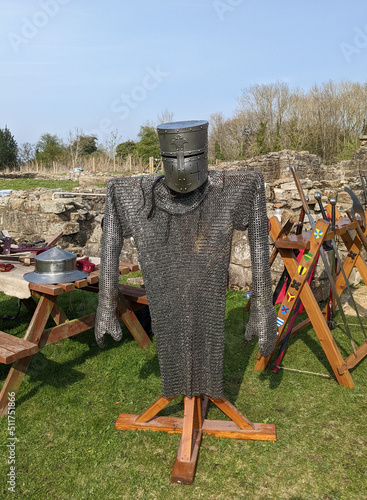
[310, 241]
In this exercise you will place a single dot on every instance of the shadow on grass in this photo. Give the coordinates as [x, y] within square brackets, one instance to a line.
[238, 352]
[60, 374]
[237, 355]
[311, 344]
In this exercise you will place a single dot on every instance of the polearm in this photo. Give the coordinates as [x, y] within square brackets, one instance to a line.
[324, 258]
[330, 307]
[336, 254]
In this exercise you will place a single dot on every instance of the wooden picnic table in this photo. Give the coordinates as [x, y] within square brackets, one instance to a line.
[42, 300]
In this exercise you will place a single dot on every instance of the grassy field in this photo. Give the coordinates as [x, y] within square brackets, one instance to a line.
[22, 184]
[67, 446]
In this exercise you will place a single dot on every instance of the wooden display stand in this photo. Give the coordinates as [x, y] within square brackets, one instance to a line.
[310, 242]
[192, 426]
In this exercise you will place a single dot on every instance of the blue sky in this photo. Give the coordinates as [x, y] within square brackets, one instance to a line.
[106, 66]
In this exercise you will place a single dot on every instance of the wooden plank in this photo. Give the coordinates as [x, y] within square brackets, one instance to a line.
[172, 425]
[352, 360]
[48, 289]
[134, 294]
[7, 357]
[39, 318]
[232, 412]
[228, 429]
[58, 314]
[132, 291]
[67, 287]
[303, 324]
[93, 277]
[186, 442]
[132, 323]
[81, 283]
[153, 409]
[53, 239]
[16, 344]
[13, 381]
[68, 329]
[183, 472]
[198, 413]
[295, 241]
[219, 428]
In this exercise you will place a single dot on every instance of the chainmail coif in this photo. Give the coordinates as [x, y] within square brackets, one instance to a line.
[184, 244]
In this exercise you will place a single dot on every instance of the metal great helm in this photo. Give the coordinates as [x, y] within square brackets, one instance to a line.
[184, 150]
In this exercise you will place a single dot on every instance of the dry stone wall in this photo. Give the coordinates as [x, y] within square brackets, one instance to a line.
[38, 213]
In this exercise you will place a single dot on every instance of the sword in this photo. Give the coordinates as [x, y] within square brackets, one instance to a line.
[324, 258]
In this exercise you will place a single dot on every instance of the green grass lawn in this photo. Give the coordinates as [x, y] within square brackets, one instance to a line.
[23, 184]
[67, 446]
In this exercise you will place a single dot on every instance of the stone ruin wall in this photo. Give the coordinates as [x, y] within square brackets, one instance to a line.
[38, 213]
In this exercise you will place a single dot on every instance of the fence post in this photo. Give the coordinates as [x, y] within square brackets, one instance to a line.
[114, 164]
[151, 164]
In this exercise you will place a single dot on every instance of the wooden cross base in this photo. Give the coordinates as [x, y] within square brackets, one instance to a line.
[192, 426]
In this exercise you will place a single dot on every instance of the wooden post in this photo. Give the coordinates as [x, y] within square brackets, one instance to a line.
[151, 165]
[130, 166]
[114, 164]
[93, 165]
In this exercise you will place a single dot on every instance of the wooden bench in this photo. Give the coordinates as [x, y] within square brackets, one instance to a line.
[13, 348]
[19, 352]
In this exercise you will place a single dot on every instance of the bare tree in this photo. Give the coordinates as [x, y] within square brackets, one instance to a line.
[165, 116]
[26, 152]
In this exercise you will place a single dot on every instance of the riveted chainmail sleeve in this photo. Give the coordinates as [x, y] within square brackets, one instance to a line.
[262, 323]
[111, 244]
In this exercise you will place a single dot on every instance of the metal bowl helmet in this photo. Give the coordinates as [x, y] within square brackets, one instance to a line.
[184, 150]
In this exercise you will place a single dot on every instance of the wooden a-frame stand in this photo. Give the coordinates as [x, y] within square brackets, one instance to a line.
[192, 426]
[310, 242]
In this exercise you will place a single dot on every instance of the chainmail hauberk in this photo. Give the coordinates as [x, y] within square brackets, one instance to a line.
[184, 243]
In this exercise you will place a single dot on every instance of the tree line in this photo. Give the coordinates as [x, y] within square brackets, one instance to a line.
[77, 148]
[327, 120]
